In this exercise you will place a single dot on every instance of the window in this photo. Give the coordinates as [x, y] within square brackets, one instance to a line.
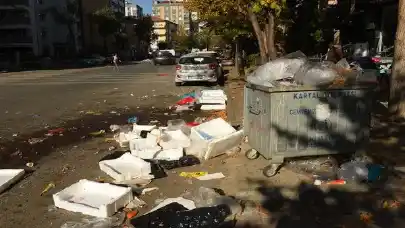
[42, 16]
[44, 33]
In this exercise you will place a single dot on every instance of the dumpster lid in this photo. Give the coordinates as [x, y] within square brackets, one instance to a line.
[283, 88]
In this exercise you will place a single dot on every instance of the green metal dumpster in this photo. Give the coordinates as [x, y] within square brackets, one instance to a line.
[289, 121]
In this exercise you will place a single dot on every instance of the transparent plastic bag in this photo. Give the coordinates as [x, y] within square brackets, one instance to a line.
[353, 171]
[282, 68]
[315, 74]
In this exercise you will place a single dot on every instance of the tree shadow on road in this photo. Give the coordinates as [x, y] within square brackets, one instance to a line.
[312, 207]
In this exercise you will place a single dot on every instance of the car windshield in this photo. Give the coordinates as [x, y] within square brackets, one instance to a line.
[196, 60]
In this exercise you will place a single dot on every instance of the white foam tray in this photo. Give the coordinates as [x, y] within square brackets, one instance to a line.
[9, 177]
[126, 167]
[93, 198]
[213, 107]
[223, 137]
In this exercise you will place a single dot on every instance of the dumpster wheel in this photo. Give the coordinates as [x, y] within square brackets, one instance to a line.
[271, 170]
[252, 154]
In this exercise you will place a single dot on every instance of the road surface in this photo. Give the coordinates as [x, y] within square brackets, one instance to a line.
[30, 102]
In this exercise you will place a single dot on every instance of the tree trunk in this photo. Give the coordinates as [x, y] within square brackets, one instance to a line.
[259, 36]
[397, 96]
[271, 37]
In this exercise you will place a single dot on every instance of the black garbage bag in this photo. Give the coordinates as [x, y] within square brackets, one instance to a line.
[175, 215]
[188, 160]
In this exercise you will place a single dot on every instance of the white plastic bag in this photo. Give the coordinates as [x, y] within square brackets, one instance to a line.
[315, 74]
[278, 69]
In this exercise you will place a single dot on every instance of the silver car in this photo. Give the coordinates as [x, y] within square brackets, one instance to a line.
[197, 68]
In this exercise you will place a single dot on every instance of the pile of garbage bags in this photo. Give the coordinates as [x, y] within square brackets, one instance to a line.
[296, 69]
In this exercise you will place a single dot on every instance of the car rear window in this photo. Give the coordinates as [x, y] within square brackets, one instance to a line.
[197, 60]
[164, 53]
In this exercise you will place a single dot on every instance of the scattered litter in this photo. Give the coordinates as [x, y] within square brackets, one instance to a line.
[213, 107]
[47, 188]
[132, 214]
[114, 128]
[132, 120]
[33, 141]
[113, 112]
[93, 222]
[111, 148]
[138, 128]
[56, 131]
[93, 198]
[93, 113]
[174, 140]
[353, 171]
[9, 176]
[188, 204]
[192, 174]
[186, 101]
[146, 190]
[30, 164]
[108, 140]
[212, 176]
[135, 203]
[97, 133]
[127, 167]
[174, 214]
[15, 135]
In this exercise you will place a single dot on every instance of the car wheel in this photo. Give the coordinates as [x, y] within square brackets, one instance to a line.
[178, 83]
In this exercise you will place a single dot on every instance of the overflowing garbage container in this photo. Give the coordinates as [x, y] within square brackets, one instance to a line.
[305, 110]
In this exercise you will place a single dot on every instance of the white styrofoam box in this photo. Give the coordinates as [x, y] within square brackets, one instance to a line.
[139, 128]
[9, 177]
[93, 198]
[213, 107]
[174, 139]
[209, 135]
[221, 145]
[211, 100]
[144, 148]
[127, 167]
[124, 138]
[169, 154]
[213, 93]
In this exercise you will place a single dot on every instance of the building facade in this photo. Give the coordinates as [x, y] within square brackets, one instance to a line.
[92, 41]
[174, 11]
[164, 30]
[133, 10]
[30, 28]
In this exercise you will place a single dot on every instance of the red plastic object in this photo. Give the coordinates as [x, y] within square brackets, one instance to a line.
[56, 131]
[337, 182]
[186, 100]
[192, 124]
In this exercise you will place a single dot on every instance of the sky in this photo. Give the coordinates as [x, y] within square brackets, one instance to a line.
[145, 4]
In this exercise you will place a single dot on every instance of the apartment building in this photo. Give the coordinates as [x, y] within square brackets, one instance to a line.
[133, 10]
[28, 28]
[174, 11]
[165, 31]
[92, 41]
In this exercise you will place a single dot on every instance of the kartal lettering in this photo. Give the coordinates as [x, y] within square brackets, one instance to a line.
[334, 94]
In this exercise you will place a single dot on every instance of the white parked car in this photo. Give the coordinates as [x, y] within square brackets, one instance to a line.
[198, 68]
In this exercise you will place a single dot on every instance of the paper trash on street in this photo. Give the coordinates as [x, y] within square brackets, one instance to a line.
[211, 176]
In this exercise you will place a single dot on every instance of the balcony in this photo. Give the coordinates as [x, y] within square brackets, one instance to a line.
[14, 3]
[15, 40]
[10, 21]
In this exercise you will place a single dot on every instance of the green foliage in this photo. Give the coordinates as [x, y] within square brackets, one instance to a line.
[107, 20]
[144, 29]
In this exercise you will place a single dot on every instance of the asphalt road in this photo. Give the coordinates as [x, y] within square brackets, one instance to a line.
[30, 102]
